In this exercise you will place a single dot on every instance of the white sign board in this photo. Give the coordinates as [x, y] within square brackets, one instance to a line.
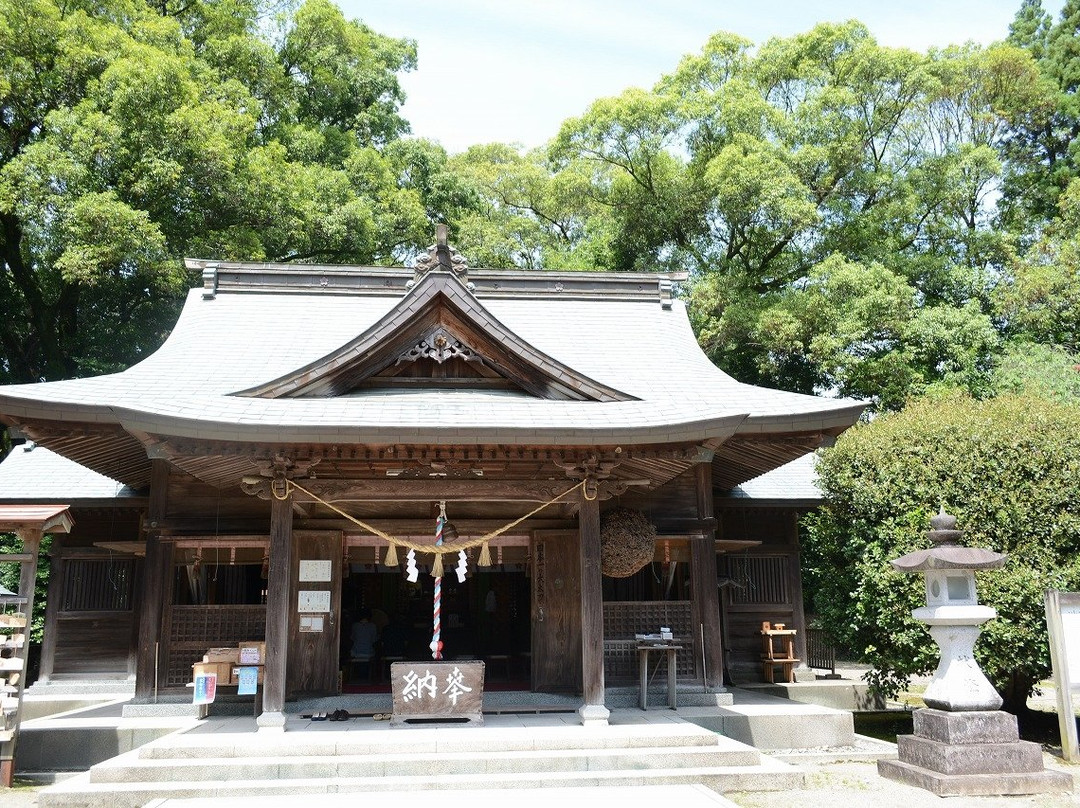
[312, 624]
[1063, 628]
[316, 570]
[313, 601]
[1070, 627]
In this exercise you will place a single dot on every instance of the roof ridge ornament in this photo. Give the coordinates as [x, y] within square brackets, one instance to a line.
[441, 257]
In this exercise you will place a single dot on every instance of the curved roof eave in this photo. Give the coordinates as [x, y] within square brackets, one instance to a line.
[708, 429]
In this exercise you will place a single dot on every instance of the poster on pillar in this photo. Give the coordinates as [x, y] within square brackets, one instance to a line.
[315, 616]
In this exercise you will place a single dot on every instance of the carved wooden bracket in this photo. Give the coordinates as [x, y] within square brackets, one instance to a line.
[274, 472]
[596, 473]
[439, 345]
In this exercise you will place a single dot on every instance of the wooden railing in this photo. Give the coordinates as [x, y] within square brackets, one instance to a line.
[820, 652]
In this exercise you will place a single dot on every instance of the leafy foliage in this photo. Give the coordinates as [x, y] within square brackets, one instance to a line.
[137, 133]
[9, 578]
[822, 170]
[1007, 468]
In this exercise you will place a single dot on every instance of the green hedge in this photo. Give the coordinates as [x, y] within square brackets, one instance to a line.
[1008, 469]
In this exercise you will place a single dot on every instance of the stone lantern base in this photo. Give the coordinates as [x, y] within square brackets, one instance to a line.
[973, 753]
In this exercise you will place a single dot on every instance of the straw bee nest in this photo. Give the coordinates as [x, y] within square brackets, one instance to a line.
[626, 542]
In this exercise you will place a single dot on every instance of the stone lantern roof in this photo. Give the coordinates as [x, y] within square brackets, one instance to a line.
[947, 553]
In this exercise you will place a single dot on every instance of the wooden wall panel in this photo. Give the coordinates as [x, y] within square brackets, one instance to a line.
[95, 644]
[556, 612]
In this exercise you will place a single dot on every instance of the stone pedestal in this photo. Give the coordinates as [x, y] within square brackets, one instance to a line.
[973, 753]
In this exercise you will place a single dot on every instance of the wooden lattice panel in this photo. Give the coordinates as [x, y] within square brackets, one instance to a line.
[622, 621]
[757, 579]
[194, 629]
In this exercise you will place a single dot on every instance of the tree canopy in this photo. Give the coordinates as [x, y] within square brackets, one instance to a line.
[134, 133]
[853, 219]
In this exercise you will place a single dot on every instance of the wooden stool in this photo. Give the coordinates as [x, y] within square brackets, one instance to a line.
[784, 656]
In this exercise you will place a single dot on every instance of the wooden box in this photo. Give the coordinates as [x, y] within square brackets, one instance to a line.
[426, 691]
[252, 653]
[223, 670]
[231, 655]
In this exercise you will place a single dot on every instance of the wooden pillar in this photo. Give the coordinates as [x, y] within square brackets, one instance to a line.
[705, 600]
[592, 710]
[794, 571]
[151, 598]
[278, 587]
[57, 573]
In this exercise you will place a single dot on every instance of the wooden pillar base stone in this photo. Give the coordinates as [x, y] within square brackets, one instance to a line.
[594, 715]
[272, 722]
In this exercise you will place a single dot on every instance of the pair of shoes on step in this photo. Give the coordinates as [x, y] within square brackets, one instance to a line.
[318, 716]
[339, 715]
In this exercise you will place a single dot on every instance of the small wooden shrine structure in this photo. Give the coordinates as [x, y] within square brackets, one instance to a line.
[293, 440]
[30, 523]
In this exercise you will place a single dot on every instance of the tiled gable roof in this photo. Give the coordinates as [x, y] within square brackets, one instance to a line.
[621, 331]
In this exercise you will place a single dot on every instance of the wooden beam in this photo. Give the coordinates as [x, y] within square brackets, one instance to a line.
[212, 528]
[592, 604]
[705, 598]
[398, 490]
[277, 613]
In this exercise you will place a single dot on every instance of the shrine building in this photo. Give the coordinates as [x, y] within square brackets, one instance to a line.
[282, 462]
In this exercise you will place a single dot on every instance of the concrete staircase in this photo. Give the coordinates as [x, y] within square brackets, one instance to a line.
[361, 755]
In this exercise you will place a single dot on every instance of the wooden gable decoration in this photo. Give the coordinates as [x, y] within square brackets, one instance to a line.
[439, 336]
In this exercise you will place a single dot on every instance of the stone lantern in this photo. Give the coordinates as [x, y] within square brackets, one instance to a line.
[963, 744]
[953, 613]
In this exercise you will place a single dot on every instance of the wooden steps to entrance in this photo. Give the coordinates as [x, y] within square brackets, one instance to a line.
[365, 756]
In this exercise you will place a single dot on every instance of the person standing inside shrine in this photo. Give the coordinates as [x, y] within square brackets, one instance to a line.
[364, 633]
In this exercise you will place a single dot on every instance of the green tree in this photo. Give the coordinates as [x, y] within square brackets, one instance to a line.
[136, 133]
[765, 174]
[1042, 147]
[1040, 303]
[1007, 468]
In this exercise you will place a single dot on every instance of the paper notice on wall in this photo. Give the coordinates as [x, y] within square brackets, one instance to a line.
[314, 570]
[247, 681]
[313, 600]
[205, 688]
[311, 624]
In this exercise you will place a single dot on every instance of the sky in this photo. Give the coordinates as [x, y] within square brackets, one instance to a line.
[513, 70]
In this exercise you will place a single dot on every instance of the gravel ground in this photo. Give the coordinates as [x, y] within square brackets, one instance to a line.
[857, 785]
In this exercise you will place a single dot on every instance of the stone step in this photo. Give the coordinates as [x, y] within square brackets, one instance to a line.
[79, 792]
[684, 796]
[977, 785]
[130, 768]
[329, 740]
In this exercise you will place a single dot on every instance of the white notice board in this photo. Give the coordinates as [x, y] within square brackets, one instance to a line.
[1063, 628]
[1070, 629]
[316, 570]
[313, 601]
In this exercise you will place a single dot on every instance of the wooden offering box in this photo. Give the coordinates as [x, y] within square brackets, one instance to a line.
[434, 691]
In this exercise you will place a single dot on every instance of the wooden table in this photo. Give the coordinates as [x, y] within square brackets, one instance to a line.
[671, 650]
